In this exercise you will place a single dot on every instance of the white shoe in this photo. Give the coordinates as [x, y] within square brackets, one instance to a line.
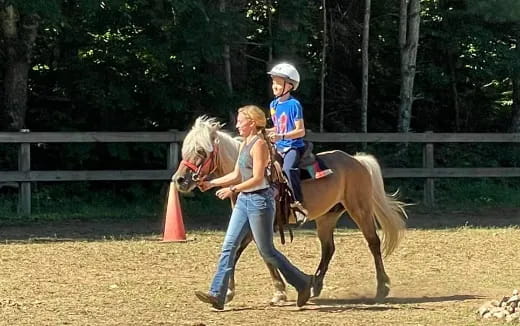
[300, 213]
[300, 218]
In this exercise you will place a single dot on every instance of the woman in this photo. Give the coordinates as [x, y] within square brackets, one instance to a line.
[253, 212]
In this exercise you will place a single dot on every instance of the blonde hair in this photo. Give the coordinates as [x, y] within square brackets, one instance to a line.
[256, 114]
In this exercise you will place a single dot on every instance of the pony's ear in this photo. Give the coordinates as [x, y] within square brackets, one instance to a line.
[216, 126]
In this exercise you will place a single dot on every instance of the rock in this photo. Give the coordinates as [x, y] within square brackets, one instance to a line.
[514, 298]
[500, 314]
[483, 310]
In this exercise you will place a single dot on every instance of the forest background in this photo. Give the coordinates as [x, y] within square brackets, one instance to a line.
[155, 65]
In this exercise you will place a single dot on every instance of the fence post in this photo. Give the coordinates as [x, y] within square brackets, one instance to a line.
[24, 165]
[429, 183]
[173, 154]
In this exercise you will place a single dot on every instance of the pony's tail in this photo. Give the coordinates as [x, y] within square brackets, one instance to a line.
[389, 212]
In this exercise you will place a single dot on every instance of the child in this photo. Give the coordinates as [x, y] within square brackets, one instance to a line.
[288, 130]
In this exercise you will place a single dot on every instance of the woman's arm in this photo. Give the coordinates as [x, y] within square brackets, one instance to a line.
[260, 155]
[232, 177]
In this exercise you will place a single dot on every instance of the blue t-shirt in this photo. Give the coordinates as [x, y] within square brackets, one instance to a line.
[284, 116]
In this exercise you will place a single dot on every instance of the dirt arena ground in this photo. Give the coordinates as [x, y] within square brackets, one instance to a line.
[122, 274]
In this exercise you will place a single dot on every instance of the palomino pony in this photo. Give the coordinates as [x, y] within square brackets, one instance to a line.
[356, 187]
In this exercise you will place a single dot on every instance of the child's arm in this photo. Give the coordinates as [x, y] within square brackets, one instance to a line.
[298, 132]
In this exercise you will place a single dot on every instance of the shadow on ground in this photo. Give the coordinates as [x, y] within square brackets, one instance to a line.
[153, 227]
[395, 300]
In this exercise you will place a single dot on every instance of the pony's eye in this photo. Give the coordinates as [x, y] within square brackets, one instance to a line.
[201, 152]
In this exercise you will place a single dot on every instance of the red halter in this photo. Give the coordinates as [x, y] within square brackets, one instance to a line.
[208, 165]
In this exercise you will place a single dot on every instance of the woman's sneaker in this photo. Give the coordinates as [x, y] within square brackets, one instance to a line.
[305, 293]
[211, 299]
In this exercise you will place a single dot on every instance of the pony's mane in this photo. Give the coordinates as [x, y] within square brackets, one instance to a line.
[200, 135]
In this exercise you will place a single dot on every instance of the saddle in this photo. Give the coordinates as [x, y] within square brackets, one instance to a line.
[314, 167]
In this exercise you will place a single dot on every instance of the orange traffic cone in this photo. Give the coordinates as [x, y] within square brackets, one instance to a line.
[173, 224]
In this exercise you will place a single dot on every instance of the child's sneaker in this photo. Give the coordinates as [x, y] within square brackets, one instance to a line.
[300, 213]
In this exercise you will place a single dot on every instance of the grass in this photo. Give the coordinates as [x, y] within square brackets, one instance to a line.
[127, 201]
[61, 202]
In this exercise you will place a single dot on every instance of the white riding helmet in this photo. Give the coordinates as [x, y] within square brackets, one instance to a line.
[288, 72]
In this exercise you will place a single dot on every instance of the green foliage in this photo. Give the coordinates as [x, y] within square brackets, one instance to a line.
[126, 201]
[476, 193]
[122, 65]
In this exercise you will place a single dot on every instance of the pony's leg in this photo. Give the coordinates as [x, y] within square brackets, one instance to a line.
[280, 295]
[366, 223]
[325, 226]
[231, 287]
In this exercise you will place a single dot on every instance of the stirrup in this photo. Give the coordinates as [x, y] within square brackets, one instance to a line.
[297, 206]
[300, 218]
[300, 213]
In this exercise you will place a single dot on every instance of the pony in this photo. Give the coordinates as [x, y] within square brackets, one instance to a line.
[356, 187]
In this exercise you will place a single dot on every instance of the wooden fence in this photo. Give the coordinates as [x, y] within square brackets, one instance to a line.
[24, 176]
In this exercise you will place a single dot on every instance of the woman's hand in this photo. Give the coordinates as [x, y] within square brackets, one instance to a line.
[224, 193]
[205, 185]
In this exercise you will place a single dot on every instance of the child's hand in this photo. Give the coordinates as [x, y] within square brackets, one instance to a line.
[274, 137]
[224, 193]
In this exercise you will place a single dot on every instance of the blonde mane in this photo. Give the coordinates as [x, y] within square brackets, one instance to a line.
[206, 132]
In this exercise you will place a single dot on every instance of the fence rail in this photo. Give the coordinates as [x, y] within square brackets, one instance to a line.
[24, 176]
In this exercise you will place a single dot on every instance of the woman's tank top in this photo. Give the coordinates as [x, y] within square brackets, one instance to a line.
[245, 164]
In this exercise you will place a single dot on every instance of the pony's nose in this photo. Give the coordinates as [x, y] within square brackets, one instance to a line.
[180, 180]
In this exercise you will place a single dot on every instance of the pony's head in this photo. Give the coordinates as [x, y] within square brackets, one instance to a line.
[199, 154]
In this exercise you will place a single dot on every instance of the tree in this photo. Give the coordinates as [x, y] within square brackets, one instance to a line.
[323, 66]
[515, 125]
[364, 53]
[409, 21]
[18, 34]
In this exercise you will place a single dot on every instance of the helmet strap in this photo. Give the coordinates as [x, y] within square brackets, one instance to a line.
[285, 92]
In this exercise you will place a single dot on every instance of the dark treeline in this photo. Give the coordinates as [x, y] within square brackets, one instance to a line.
[156, 64]
[135, 65]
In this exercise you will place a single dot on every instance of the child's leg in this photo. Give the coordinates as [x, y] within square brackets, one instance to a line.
[290, 167]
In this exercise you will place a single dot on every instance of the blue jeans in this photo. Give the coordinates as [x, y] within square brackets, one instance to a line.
[253, 212]
[291, 159]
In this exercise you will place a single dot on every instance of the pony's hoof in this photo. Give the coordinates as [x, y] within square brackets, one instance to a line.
[382, 293]
[229, 296]
[316, 288]
[278, 297]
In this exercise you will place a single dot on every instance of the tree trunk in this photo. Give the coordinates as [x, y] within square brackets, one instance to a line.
[364, 86]
[408, 43]
[270, 44]
[515, 125]
[454, 90]
[323, 65]
[19, 33]
[15, 88]
[227, 56]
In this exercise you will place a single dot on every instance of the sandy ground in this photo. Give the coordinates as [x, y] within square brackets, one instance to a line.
[120, 273]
